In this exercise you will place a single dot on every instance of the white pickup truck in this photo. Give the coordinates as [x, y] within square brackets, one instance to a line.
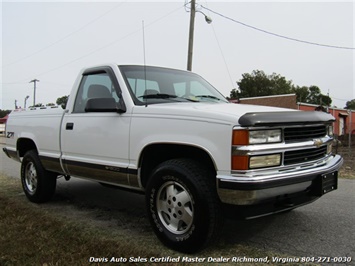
[171, 135]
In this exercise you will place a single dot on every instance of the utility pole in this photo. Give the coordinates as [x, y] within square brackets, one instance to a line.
[26, 98]
[34, 90]
[191, 35]
[191, 32]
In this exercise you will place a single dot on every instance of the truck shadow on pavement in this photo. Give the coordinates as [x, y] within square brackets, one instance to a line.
[310, 230]
[119, 210]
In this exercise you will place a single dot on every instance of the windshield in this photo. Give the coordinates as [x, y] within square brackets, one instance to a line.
[149, 85]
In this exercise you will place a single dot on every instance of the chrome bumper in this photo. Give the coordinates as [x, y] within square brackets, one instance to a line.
[251, 188]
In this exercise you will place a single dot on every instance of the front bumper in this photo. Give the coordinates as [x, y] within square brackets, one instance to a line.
[289, 187]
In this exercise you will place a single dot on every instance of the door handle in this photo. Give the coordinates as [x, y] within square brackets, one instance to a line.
[69, 126]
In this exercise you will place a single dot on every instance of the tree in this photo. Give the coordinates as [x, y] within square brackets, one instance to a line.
[233, 94]
[259, 84]
[311, 95]
[63, 101]
[3, 113]
[350, 104]
[301, 93]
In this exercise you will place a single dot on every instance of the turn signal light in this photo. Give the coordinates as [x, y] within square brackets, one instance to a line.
[240, 137]
[240, 162]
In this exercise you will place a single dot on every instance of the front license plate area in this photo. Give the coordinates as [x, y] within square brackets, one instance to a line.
[326, 183]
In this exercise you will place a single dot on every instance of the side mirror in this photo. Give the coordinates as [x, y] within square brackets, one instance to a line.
[103, 105]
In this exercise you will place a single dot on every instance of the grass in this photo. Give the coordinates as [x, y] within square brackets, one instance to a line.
[32, 234]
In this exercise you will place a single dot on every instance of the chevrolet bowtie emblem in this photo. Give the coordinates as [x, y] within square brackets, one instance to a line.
[317, 142]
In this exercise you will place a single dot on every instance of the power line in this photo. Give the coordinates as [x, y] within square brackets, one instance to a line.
[224, 59]
[107, 45]
[64, 38]
[277, 35]
[345, 100]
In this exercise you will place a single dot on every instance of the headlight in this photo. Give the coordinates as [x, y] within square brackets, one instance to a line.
[245, 137]
[245, 162]
[329, 148]
[264, 161]
[264, 136]
[330, 131]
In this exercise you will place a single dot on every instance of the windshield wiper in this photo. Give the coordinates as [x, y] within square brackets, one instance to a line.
[167, 96]
[208, 96]
[158, 96]
[190, 100]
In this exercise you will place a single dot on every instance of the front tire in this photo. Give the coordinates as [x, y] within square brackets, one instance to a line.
[183, 205]
[37, 183]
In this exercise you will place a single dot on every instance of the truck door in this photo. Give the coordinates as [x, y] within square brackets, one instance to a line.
[95, 144]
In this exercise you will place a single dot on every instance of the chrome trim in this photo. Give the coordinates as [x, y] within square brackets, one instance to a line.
[260, 149]
[278, 126]
[327, 164]
[249, 197]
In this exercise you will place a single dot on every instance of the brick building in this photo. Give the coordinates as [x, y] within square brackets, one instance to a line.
[345, 119]
[284, 101]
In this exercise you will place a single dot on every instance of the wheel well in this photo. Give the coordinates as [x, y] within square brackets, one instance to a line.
[155, 154]
[24, 145]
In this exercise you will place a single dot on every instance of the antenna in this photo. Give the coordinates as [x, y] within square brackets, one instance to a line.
[143, 42]
[145, 72]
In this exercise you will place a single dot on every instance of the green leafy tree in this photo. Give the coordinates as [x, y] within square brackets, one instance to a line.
[4, 112]
[350, 104]
[301, 93]
[311, 95]
[315, 95]
[259, 84]
[63, 101]
[233, 94]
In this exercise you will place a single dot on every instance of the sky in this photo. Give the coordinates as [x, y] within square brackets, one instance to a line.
[53, 40]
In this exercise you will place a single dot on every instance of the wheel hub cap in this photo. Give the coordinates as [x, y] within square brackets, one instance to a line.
[31, 178]
[175, 207]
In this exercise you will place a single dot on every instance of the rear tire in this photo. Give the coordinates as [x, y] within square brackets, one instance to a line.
[37, 183]
[183, 206]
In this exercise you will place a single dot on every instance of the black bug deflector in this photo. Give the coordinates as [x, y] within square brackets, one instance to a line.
[284, 118]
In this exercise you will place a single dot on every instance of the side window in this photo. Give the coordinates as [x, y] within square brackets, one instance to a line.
[94, 86]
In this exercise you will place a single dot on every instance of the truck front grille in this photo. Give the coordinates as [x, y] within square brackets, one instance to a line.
[305, 132]
[303, 156]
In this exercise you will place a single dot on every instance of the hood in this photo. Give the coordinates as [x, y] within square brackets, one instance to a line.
[211, 112]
